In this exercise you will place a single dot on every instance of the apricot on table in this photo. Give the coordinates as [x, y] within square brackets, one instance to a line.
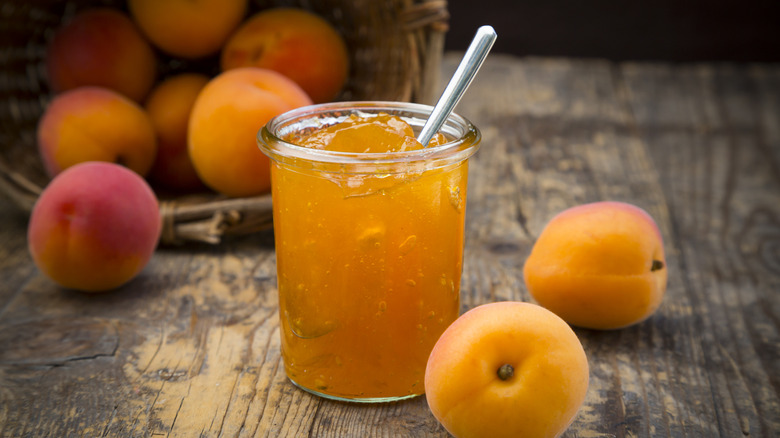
[299, 44]
[94, 227]
[101, 47]
[95, 124]
[186, 28]
[507, 369]
[599, 265]
[169, 106]
[223, 127]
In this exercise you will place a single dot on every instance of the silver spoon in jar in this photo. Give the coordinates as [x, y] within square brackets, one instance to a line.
[464, 74]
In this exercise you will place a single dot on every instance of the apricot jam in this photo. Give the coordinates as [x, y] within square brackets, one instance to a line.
[368, 263]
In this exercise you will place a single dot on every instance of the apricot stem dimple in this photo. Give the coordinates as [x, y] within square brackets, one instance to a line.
[657, 265]
[505, 372]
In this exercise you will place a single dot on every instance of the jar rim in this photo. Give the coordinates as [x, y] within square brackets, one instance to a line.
[465, 136]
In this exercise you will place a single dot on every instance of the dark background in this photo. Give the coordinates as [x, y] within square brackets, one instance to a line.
[665, 30]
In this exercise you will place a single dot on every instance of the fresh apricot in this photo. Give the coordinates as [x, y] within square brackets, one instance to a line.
[169, 106]
[94, 227]
[101, 47]
[223, 127]
[186, 28]
[507, 369]
[95, 124]
[599, 265]
[299, 44]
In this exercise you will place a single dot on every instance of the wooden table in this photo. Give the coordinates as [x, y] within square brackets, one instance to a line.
[191, 346]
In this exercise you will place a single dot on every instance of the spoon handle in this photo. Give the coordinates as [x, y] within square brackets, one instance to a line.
[464, 74]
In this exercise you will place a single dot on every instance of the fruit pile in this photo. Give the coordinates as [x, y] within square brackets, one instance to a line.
[115, 102]
[186, 129]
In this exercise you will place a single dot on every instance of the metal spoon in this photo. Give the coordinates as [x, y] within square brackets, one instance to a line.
[464, 74]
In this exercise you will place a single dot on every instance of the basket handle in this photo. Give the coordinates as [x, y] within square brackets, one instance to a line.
[19, 189]
[210, 222]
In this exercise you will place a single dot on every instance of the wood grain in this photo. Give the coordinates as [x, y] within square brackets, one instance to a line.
[191, 346]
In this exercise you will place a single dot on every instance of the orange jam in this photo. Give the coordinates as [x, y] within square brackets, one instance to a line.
[369, 265]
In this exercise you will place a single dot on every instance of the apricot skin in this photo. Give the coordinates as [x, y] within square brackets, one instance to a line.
[95, 124]
[169, 106]
[599, 266]
[541, 397]
[94, 227]
[186, 28]
[297, 43]
[101, 47]
[223, 127]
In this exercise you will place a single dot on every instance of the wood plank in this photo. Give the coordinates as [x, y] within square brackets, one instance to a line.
[712, 134]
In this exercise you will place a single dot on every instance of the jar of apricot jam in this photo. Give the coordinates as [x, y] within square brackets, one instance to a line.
[368, 228]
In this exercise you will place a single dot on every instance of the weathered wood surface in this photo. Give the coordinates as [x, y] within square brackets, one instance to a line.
[191, 348]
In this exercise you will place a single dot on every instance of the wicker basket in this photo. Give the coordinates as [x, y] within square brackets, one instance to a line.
[395, 45]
